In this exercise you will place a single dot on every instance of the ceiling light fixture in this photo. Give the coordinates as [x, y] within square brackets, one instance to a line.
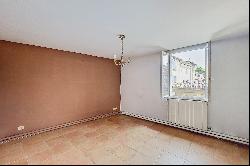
[122, 61]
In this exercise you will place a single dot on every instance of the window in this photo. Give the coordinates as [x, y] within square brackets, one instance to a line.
[185, 73]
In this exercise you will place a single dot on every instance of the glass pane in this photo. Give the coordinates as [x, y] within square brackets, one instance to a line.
[165, 74]
[188, 74]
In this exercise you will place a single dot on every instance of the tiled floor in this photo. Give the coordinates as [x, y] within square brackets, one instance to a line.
[122, 140]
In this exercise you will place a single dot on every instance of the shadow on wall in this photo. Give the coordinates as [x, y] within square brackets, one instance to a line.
[238, 29]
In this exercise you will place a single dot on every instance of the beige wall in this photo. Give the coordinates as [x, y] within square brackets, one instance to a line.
[41, 87]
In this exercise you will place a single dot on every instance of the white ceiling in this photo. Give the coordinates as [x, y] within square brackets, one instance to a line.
[91, 26]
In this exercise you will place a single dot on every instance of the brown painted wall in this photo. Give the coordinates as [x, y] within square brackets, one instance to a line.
[41, 87]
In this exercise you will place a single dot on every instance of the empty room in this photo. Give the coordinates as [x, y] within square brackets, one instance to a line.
[124, 82]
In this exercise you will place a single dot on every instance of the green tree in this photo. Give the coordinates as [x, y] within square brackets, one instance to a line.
[200, 70]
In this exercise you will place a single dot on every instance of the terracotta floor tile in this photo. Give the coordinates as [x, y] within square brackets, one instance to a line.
[185, 135]
[232, 157]
[91, 134]
[132, 142]
[52, 161]
[11, 147]
[73, 157]
[40, 157]
[103, 156]
[123, 152]
[140, 159]
[143, 122]
[205, 140]
[84, 129]
[122, 140]
[160, 142]
[77, 141]
[61, 148]
[171, 131]
[244, 152]
[70, 129]
[199, 158]
[51, 134]
[19, 162]
[57, 140]
[180, 147]
[73, 134]
[157, 127]
[169, 159]
[89, 144]
[151, 151]
[13, 157]
[31, 149]
[196, 149]
[33, 140]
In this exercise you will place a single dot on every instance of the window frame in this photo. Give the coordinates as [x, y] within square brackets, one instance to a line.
[166, 95]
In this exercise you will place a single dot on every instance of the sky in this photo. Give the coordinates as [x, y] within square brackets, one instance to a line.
[196, 56]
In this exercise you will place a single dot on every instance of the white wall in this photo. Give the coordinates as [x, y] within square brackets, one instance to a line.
[229, 107]
[140, 87]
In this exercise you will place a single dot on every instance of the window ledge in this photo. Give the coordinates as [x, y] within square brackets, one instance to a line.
[180, 98]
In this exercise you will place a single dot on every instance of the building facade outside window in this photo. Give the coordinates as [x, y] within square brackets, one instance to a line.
[185, 73]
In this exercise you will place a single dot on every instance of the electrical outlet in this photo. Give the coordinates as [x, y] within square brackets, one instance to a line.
[19, 128]
[114, 108]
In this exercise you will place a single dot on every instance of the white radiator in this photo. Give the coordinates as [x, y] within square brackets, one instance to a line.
[188, 113]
